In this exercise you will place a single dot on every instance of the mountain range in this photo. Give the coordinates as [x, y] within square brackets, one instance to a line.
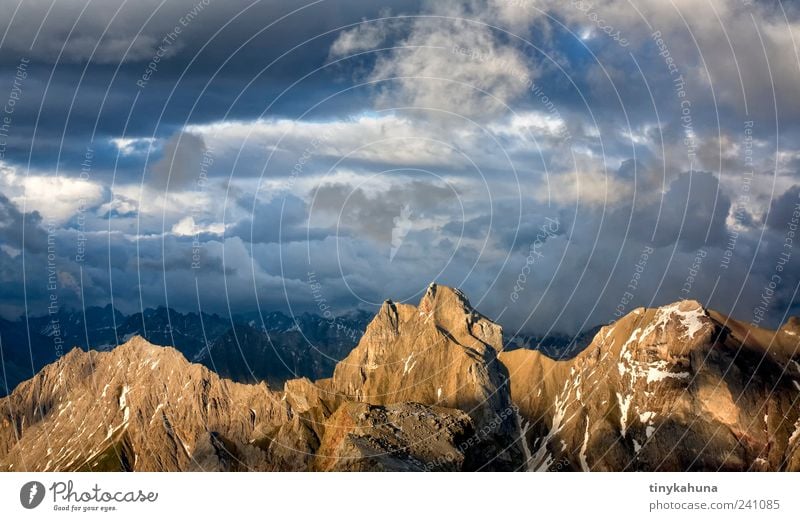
[429, 387]
[246, 348]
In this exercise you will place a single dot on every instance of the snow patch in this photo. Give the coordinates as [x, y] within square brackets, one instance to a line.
[633, 338]
[656, 375]
[155, 413]
[123, 404]
[646, 416]
[624, 406]
[582, 455]
[690, 320]
[409, 364]
[542, 459]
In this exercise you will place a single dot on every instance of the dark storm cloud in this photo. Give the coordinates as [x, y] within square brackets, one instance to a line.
[92, 91]
[114, 31]
[475, 228]
[375, 212]
[693, 212]
[783, 207]
[394, 238]
[511, 226]
[181, 162]
[282, 219]
[21, 231]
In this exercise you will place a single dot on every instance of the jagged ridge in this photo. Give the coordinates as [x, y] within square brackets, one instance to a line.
[427, 387]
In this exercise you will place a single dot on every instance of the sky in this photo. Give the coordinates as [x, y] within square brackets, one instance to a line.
[562, 162]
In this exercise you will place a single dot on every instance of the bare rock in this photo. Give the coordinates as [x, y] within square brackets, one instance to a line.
[138, 407]
[404, 437]
[672, 388]
[442, 353]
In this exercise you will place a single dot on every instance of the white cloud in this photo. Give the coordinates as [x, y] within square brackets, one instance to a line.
[525, 125]
[10, 251]
[56, 198]
[158, 209]
[129, 146]
[363, 37]
[186, 227]
[586, 181]
[119, 206]
[388, 138]
[452, 66]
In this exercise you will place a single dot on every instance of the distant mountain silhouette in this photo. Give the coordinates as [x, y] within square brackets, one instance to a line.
[311, 342]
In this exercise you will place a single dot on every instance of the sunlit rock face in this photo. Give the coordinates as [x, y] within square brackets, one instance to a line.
[428, 388]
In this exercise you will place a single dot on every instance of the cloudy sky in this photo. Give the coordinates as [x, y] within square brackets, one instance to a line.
[560, 161]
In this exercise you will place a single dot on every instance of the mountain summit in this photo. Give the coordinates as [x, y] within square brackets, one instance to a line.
[441, 352]
[671, 388]
[429, 388]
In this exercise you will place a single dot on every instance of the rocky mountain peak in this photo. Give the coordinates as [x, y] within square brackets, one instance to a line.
[791, 326]
[137, 407]
[671, 330]
[441, 308]
[441, 352]
[444, 299]
[449, 309]
[137, 347]
[676, 375]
